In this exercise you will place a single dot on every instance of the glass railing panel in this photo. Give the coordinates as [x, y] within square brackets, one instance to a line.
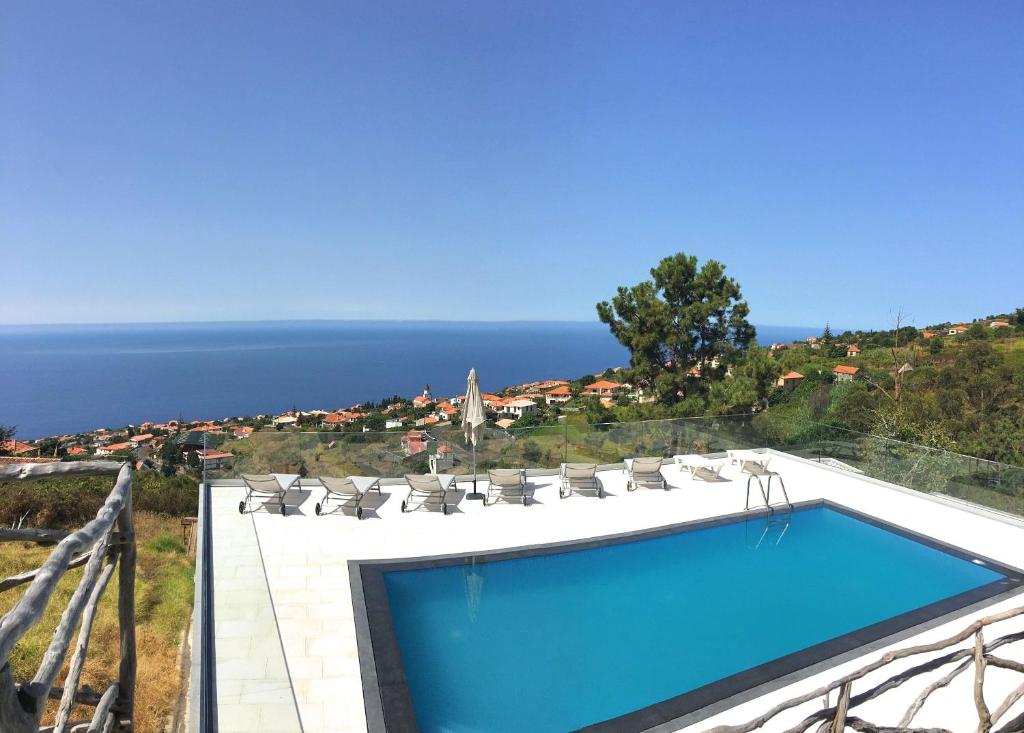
[443, 448]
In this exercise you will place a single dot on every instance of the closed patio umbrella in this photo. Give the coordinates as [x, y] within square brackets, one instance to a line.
[473, 419]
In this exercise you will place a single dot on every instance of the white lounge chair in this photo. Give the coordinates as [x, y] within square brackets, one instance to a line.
[579, 477]
[702, 467]
[736, 457]
[265, 486]
[507, 484]
[427, 490]
[348, 492]
[644, 472]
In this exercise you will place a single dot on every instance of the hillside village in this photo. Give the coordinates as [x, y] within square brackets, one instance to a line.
[864, 357]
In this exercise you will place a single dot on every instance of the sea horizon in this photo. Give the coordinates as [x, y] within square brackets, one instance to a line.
[68, 378]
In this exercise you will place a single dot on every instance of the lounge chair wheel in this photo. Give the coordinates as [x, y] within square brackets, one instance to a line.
[359, 512]
[317, 509]
[241, 507]
[403, 507]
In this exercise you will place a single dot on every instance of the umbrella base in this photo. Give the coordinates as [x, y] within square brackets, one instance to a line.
[474, 495]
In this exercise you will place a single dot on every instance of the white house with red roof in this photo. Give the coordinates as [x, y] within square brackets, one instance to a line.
[852, 350]
[601, 388]
[559, 395]
[845, 373]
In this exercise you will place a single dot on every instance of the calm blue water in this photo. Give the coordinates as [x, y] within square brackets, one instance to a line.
[557, 642]
[57, 379]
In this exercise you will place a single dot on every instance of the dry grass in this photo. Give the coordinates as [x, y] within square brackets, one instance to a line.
[163, 606]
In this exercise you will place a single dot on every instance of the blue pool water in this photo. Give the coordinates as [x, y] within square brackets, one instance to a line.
[559, 641]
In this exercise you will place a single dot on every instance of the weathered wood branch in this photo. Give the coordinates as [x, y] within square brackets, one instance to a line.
[984, 717]
[33, 471]
[1004, 663]
[85, 695]
[842, 705]
[865, 727]
[905, 676]
[53, 657]
[103, 718]
[1014, 726]
[919, 702]
[125, 706]
[884, 660]
[28, 576]
[13, 716]
[81, 648]
[29, 608]
[1007, 703]
[42, 536]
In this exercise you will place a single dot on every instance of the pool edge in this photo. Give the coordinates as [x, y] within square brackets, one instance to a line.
[389, 703]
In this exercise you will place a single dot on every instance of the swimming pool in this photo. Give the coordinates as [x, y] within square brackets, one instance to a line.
[629, 632]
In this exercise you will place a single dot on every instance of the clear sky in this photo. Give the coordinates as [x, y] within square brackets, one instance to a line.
[497, 160]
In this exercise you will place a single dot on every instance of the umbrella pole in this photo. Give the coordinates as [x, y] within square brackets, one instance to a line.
[475, 494]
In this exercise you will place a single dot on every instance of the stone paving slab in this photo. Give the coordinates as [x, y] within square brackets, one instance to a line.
[254, 689]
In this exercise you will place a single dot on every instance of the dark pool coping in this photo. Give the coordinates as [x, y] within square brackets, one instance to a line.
[388, 702]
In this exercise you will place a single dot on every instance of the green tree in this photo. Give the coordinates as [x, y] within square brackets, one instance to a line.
[7, 433]
[681, 318]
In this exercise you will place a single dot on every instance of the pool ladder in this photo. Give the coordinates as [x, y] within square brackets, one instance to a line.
[766, 495]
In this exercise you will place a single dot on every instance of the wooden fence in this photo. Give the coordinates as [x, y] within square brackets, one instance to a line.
[978, 658]
[105, 544]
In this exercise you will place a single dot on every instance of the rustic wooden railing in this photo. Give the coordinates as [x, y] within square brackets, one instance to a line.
[837, 718]
[105, 544]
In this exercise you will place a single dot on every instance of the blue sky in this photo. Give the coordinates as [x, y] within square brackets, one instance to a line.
[491, 160]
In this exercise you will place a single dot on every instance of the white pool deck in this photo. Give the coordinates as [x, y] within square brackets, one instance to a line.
[286, 651]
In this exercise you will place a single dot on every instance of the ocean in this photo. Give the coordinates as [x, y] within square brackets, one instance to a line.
[66, 379]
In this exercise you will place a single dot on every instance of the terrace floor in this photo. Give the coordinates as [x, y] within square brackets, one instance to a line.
[286, 645]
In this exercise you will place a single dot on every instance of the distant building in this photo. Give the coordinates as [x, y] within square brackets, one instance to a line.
[215, 458]
[505, 423]
[601, 388]
[393, 422]
[559, 395]
[423, 400]
[956, 330]
[19, 448]
[112, 448]
[844, 373]
[243, 432]
[999, 324]
[137, 440]
[852, 350]
[442, 459]
[520, 407]
[928, 334]
[791, 381]
[413, 442]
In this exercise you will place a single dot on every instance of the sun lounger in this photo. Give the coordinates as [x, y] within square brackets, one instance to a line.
[427, 490]
[756, 471]
[644, 472]
[702, 467]
[579, 477]
[348, 492]
[265, 486]
[736, 457]
[505, 483]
